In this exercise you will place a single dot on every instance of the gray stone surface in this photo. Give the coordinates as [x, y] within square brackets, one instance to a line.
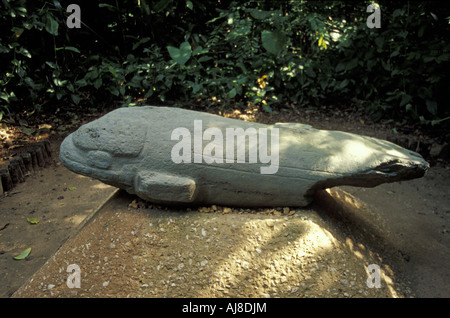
[141, 150]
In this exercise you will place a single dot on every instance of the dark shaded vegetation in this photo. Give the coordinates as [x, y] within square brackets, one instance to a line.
[228, 53]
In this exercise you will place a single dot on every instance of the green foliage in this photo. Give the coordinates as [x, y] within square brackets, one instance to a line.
[181, 55]
[257, 52]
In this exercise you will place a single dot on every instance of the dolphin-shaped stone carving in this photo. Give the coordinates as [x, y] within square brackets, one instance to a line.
[176, 156]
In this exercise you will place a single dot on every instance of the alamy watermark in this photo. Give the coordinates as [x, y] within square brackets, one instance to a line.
[74, 19]
[74, 278]
[374, 279]
[234, 141]
[374, 20]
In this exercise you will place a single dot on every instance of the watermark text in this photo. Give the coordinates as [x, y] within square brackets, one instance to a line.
[234, 141]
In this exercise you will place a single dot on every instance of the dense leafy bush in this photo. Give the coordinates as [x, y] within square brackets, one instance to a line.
[258, 52]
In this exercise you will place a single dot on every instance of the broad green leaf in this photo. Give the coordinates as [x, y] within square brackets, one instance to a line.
[408, 107]
[351, 64]
[68, 48]
[222, 15]
[114, 90]
[98, 83]
[421, 31]
[196, 88]
[141, 41]
[232, 93]
[51, 64]
[379, 41]
[81, 83]
[112, 70]
[70, 87]
[403, 34]
[52, 25]
[25, 52]
[385, 65]
[181, 55]
[27, 130]
[204, 58]
[432, 107]
[395, 53]
[60, 94]
[442, 58]
[23, 254]
[340, 67]
[267, 108]
[310, 72]
[343, 84]
[75, 98]
[173, 52]
[32, 220]
[398, 12]
[149, 93]
[405, 99]
[161, 5]
[199, 50]
[4, 96]
[107, 6]
[273, 41]
[260, 14]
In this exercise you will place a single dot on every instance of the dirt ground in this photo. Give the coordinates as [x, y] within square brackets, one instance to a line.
[60, 200]
[154, 253]
[130, 248]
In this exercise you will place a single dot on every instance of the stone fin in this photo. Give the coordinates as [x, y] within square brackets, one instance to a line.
[156, 186]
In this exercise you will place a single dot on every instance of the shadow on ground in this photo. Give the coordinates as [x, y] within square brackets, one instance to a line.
[123, 252]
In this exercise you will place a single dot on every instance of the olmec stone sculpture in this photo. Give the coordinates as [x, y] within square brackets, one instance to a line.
[172, 155]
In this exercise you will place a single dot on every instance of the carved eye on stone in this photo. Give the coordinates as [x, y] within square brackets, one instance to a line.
[113, 136]
[99, 159]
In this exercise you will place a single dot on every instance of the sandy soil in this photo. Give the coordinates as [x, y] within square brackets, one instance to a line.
[127, 252]
[60, 200]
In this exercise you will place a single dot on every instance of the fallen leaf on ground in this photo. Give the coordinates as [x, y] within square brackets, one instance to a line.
[32, 220]
[23, 255]
[133, 204]
[27, 130]
[44, 126]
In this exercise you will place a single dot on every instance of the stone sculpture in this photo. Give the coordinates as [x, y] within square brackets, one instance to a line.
[177, 156]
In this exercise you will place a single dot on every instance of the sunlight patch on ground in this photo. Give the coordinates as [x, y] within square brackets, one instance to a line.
[351, 204]
[101, 186]
[260, 261]
[76, 219]
[248, 115]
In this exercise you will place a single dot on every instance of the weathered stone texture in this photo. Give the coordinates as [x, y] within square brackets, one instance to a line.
[132, 148]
